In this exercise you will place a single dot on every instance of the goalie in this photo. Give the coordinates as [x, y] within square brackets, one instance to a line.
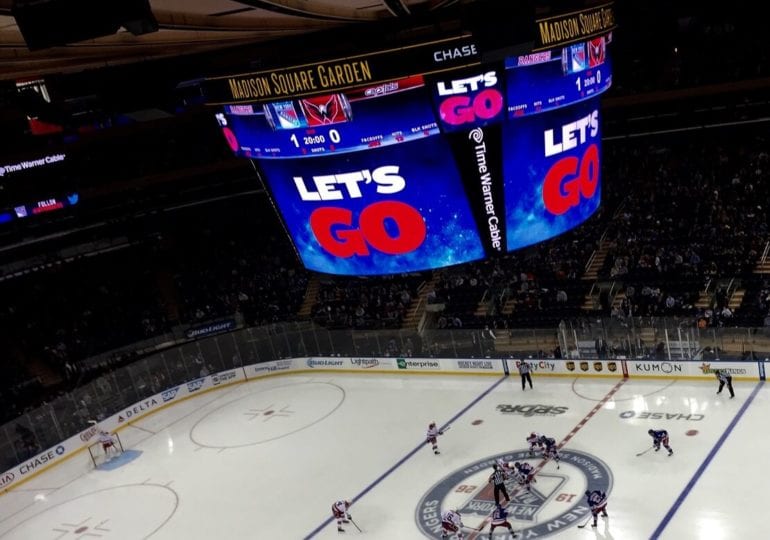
[108, 444]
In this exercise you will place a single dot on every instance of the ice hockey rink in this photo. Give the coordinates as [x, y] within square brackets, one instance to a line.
[267, 458]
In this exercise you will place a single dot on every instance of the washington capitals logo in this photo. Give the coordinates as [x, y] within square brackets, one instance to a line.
[323, 110]
[596, 52]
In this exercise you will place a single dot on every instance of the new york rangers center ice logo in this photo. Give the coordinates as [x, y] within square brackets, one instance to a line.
[556, 500]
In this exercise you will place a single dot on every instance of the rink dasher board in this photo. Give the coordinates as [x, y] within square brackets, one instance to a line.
[634, 369]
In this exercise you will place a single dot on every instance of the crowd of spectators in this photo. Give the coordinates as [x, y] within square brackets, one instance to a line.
[233, 257]
[694, 215]
[365, 302]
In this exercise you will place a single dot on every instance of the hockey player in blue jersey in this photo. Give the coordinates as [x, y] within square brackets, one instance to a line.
[525, 474]
[500, 519]
[550, 450]
[597, 501]
[660, 436]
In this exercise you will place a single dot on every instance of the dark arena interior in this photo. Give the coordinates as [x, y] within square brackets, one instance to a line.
[233, 228]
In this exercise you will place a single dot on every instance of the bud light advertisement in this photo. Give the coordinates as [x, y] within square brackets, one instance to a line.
[551, 172]
[388, 210]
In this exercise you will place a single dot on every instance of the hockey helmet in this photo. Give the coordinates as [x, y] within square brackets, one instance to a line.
[650, 432]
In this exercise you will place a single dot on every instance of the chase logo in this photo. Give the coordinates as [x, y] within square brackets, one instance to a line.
[59, 450]
[169, 394]
[547, 510]
[195, 385]
[8, 477]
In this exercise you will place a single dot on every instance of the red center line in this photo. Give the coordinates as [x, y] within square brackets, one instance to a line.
[569, 436]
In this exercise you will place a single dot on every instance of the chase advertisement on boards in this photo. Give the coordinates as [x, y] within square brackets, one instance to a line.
[551, 172]
[388, 210]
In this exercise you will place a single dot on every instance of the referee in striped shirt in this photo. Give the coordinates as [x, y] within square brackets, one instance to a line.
[524, 369]
[497, 479]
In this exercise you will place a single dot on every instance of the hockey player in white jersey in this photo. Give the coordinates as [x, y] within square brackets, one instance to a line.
[341, 513]
[451, 525]
[534, 442]
[431, 436]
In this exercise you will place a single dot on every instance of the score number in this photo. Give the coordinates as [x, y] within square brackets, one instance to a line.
[310, 140]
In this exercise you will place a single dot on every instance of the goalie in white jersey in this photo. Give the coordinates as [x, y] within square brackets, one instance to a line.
[451, 525]
[108, 443]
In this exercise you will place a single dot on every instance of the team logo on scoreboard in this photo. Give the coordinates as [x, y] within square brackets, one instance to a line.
[555, 502]
[325, 110]
[596, 51]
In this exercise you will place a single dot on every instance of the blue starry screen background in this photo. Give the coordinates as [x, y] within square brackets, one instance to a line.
[433, 187]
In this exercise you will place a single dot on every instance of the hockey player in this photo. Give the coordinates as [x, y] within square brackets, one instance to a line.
[525, 474]
[341, 514]
[550, 450]
[534, 442]
[506, 466]
[451, 524]
[432, 436]
[597, 501]
[660, 436]
[108, 443]
[500, 519]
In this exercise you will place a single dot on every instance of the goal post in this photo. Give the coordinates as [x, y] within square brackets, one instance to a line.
[100, 455]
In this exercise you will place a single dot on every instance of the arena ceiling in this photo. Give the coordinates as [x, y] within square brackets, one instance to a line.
[190, 26]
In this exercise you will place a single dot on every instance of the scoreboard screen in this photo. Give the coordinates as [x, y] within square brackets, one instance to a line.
[435, 169]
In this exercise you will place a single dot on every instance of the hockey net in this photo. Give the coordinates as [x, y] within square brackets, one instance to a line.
[100, 455]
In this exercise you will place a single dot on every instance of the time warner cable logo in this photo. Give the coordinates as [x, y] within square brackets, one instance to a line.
[476, 135]
[485, 179]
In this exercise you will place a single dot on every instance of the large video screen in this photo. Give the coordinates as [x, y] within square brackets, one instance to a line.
[390, 210]
[36, 184]
[433, 170]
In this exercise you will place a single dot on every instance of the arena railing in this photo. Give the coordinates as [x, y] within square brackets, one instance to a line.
[122, 387]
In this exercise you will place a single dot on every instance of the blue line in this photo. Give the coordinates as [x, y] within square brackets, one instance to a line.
[704, 465]
[403, 460]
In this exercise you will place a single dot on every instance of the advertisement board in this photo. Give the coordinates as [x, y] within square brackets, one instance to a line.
[745, 371]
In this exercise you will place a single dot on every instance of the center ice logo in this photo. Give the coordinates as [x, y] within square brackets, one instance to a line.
[555, 502]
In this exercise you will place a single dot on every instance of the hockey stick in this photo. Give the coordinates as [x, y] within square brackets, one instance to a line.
[586, 523]
[642, 453]
[446, 429]
[355, 524]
